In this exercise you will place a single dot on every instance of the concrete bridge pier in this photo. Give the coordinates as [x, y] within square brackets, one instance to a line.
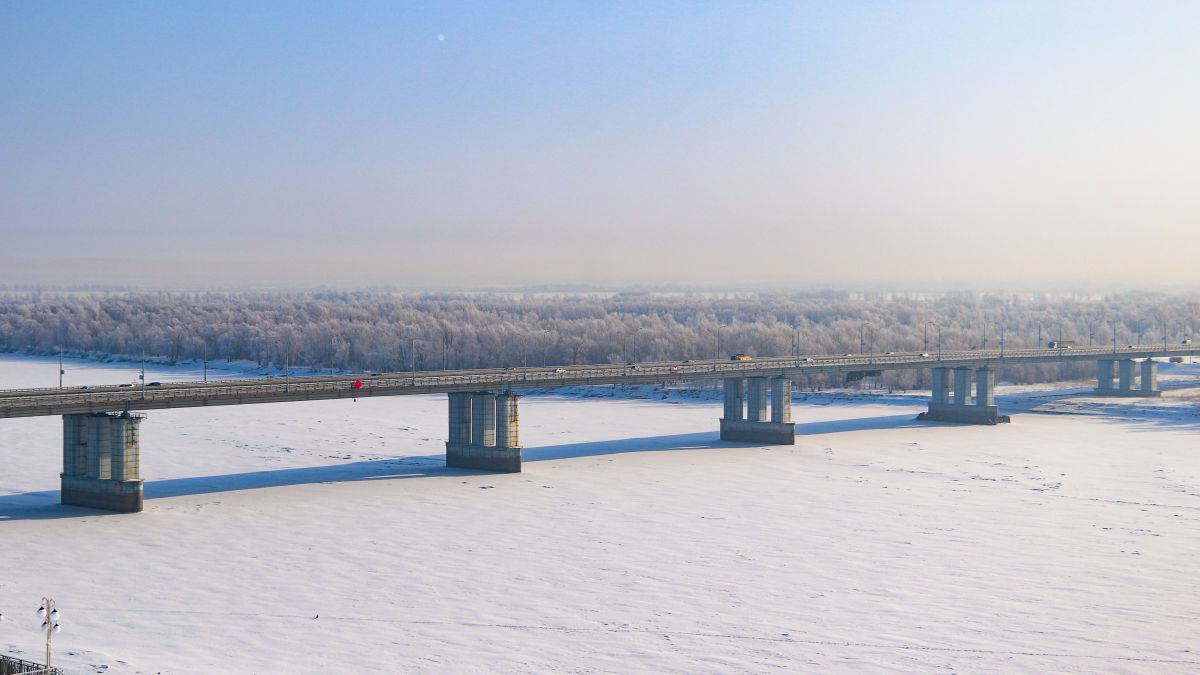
[941, 386]
[1127, 384]
[981, 409]
[754, 426]
[962, 386]
[101, 458]
[484, 432]
[1104, 376]
[1125, 375]
[1149, 379]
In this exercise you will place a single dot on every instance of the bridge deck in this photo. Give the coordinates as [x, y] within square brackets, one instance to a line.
[40, 402]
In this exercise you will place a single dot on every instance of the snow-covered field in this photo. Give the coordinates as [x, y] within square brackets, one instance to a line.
[328, 537]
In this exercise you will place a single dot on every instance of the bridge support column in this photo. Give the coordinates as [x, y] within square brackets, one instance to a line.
[754, 427]
[961, 409]
[1149, 379]
[941, 385]
[735, 398]
[1125, 376]
[985, 387]
[484, 432]
[101, 462]
[756, 399]
[962, 386]
[781, 400]
[1104, 376]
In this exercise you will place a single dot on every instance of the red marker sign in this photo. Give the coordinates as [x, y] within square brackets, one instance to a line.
[357, 384]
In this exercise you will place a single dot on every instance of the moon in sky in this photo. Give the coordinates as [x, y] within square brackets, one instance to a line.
[441, 38]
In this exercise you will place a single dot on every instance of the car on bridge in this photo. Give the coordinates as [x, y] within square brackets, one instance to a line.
[740, 357]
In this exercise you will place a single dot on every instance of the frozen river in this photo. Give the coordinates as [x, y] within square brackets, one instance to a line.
[329, 537]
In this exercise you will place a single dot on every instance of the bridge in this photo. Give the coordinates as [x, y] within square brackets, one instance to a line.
[101, 446]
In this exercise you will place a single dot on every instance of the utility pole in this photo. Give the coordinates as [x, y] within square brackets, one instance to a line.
[445, 344]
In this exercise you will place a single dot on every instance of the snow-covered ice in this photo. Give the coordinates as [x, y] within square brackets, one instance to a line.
[329, 537]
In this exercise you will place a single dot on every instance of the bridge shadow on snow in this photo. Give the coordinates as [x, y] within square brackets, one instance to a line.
[903, 421]
[44, 504]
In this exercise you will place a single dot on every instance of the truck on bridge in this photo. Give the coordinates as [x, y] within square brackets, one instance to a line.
[1060, 344]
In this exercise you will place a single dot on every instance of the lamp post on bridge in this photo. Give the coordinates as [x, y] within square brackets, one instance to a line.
[926, 335]
[862, 348]
[717, 353]
[414, 362]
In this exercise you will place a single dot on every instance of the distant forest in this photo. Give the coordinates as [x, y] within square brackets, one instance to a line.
[379, 331]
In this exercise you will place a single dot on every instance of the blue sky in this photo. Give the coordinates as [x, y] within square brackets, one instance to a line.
[918, 143]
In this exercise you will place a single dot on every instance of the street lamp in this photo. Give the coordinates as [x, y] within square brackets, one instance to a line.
[48, 613]
[287, 349]
[414, 361]
[939, 338]
[545, 346]
[926, 332]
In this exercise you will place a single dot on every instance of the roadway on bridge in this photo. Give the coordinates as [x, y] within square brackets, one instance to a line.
[53, 401]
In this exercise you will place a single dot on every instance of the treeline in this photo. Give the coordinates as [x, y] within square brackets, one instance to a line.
[377, 331]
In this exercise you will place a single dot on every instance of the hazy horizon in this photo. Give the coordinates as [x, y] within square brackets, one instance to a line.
[824, 145]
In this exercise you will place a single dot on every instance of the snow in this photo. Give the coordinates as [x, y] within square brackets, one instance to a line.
[329, 537]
